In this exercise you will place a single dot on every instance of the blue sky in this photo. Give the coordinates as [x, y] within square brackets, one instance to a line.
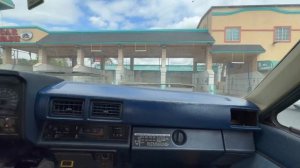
[117, 14]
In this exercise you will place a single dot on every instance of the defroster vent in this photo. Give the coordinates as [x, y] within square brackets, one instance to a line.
[67, 107]
[106, 109]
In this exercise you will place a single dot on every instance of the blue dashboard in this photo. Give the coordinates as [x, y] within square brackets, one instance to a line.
[117, 126]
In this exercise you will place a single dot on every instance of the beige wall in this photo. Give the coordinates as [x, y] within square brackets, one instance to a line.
[206, 22]
[257, 27]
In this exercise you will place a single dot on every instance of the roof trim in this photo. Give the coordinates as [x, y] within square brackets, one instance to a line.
[17, 43]
[24, 27]
[250, 9]
[130, 31]
[108, 43]
[128, 42]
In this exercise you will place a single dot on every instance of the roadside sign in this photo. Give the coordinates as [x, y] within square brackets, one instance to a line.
[34, 3]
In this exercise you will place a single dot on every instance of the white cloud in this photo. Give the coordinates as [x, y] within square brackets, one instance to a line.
[51, 12]
[119, 14]
[98, 21]
[185, 23]
[58, 28]
[4, 23]
[158, 13]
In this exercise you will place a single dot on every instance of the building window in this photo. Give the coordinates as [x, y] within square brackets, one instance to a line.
[282, 34]
[232, 34]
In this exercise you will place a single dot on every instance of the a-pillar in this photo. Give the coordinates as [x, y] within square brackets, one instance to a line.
[120, 67]
[163, 68]
[7, 56]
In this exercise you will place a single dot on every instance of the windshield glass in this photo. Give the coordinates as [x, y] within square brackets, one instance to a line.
[186, 45]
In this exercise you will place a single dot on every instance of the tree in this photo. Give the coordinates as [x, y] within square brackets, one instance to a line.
[26, 62]
[59, 62]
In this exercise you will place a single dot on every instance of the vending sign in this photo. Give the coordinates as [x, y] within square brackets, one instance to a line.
[9, 35]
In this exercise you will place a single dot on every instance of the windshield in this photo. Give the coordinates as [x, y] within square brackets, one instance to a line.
[186, 45]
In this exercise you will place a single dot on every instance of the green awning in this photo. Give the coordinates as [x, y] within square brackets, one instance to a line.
[237, 49]
[6, 4]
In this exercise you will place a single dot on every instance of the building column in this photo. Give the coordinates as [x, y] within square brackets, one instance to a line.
[74, 61]
[195, 75]
[131, 63]
[131, 74]
[253, 64]
[163, 68]
[80, 57]
[7, 56]
[196, 60]
[42, 56]
[210, 72]
[102, 63]
[194, 65]
[120, 67]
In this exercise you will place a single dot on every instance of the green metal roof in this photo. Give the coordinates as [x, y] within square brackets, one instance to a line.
[118, 37]
[6, 4]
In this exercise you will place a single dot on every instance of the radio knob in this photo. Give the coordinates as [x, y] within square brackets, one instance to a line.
[179, 137]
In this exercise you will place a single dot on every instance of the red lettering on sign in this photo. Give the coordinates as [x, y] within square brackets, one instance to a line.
[9, 35]
[2, 31]
[14, 32]
[18, 38]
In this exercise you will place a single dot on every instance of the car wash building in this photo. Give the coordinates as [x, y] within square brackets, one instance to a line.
[100, 46]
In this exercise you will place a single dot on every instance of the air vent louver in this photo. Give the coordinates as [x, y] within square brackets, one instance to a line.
[67, 107]
[106, 109]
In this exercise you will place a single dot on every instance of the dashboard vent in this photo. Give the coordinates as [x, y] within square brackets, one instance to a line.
[243, 117]
[67, 107]
[106, 109]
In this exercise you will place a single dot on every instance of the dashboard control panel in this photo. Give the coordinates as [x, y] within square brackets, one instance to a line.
[11, 93]
[151, 140]
[57, 131]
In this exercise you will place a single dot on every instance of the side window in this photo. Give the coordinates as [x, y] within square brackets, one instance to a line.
[290, 117]
[282, 34]
[232, 34]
